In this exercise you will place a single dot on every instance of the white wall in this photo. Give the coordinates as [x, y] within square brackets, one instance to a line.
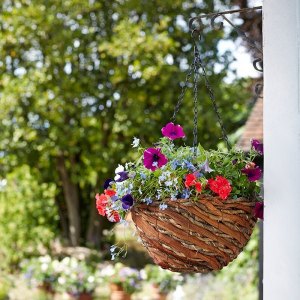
[282, 149]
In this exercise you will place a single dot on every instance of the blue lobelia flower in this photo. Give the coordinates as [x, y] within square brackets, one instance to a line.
[163, 206]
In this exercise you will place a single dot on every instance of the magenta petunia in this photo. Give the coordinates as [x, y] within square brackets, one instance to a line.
[154, 159]
[252, 171]
[259, 210]
[173, 131]
[257, 146]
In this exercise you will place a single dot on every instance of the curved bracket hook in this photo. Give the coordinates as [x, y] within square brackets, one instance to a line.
[213, 22]
[196, 26]
[258, 89]
[258, 65]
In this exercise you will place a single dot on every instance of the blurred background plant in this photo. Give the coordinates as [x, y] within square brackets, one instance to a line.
[164, 280]
[127, 278]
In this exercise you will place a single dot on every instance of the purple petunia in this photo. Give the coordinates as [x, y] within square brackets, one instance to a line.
[259, 210]
[107, 183]
[205, 167]
[258, 146]
[127, 201]
[252, 171]
[173, 131]
[154, 159]
[121, 176]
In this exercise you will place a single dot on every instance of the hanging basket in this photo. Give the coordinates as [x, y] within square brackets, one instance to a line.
[195, 236]
[188, 235]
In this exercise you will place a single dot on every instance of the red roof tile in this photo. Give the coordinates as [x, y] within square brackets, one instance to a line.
[253, 127]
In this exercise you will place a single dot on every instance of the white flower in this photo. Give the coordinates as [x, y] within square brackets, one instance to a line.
[66, 260]
[108, 271]
[45, 259]
[57, 266]
[168, 183]
[61, 280]
[143, 274]
[74, 263]
[119, 169]
[44, 267]
[135, 142]
[91, 279]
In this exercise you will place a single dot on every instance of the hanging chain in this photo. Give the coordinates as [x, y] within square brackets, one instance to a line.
[211, 96]
[197, 69]
[183, 90]
[195, 96]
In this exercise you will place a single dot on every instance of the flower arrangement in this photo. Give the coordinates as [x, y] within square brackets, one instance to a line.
[129, 279]
[169, 172]
[75, 277]
[68, 275]
[40, 272]
[165, 280]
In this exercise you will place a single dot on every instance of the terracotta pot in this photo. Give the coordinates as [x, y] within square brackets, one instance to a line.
[85, 296]
[46, 287]
[82, 296]
[157, 295]
[117, 293]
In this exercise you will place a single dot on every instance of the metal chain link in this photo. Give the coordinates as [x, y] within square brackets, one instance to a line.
[195, 98]
[211, 96]
[183, 90]
[197, 68]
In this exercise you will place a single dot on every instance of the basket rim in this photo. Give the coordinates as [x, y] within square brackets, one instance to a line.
[200, 197]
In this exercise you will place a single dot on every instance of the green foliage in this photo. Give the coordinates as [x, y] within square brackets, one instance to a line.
[165, 280]
[80, 78]
[4, 288]
[28, 216]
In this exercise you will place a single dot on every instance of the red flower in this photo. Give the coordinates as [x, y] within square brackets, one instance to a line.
[213, 185]
[220, 186]
[113, 216]
[101, 200]
[198, 187]
[110, 193]
[101, 203]
[101, 210]
[190, 180]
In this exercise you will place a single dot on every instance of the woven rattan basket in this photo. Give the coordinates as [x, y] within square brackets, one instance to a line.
[195, 236]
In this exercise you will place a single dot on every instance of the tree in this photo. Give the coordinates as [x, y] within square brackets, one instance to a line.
[28, 216]
[79, 79]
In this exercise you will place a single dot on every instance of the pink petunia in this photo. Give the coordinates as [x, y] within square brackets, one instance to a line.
[252, 171]
[259, 210]
[154, 159]
[173, 131]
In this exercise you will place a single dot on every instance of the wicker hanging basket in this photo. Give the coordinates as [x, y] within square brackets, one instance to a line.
[195, 236]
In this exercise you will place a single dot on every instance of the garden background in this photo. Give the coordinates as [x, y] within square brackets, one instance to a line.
[78, 80]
